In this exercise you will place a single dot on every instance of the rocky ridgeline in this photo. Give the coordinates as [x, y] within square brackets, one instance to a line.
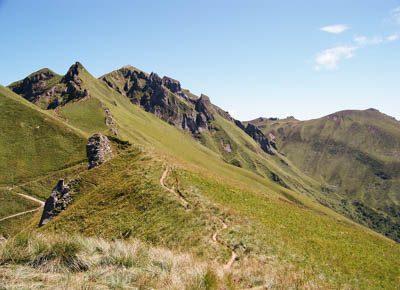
[165, 98]
[98, 150]
[49, 90]
[58, 201]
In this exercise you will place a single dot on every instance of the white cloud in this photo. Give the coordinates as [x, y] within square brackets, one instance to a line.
[335, 29]
[395, 15]
[392, 37]
[330, 58]
[364, 40]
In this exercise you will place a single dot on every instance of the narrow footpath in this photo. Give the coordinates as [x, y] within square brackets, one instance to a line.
[215, 236]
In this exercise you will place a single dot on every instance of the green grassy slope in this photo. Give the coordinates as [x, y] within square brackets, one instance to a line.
[12, 203]
[33, 143]
[124, 197]
[357, 153]
[86, 114]
[272, 228]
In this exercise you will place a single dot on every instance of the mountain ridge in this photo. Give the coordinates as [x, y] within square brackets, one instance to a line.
[269, 205]
[357, 152]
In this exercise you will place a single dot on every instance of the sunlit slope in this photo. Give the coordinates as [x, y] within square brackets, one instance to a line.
[140, 127]
[33, 143]
[123, 198]
[357, 153]
[269, 226]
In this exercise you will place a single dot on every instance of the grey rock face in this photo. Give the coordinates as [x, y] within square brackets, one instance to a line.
[73, 83]
[98, 150]
[33, 86]
[47, 90]
[163, 97]
[173, 85]
[58, 201]
[258, 136]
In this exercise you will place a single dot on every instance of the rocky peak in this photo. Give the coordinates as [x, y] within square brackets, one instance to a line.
[73, 74]
[128, 71]
[98, 150]
[58, 201]
[41, 75]
[33, 85]
[73, 82]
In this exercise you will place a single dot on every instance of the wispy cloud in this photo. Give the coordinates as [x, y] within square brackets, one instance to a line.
[330, 58]
[364, 40]
[392, 37]
[395, 15]
[375, 40]
[335, 29]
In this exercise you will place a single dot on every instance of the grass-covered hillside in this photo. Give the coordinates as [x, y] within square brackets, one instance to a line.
[276, 240]
[253, 222]
[357, 155]
[32, 142]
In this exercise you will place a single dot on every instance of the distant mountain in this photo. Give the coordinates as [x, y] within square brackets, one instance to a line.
[357, 153]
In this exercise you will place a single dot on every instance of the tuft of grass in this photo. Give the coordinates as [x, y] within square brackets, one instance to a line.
[117, 264]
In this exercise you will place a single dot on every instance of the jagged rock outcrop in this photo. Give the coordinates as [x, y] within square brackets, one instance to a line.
[49, 90]
[109, 120]
[272, 141]
[58, 201]
[163, 97]
[173, 85]
[34, 86]
[98, 150]
[258, 136]
[73, 84]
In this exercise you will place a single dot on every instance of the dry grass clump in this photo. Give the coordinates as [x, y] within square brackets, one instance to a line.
[38, 261]
[49, 261]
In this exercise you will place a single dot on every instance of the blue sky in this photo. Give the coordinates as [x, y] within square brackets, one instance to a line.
[253, 58]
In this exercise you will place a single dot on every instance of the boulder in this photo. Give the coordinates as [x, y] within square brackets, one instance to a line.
[58, 201]
[98, 150]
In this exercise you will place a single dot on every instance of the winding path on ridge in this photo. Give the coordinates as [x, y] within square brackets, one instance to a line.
[215, 236]
[38, 201]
